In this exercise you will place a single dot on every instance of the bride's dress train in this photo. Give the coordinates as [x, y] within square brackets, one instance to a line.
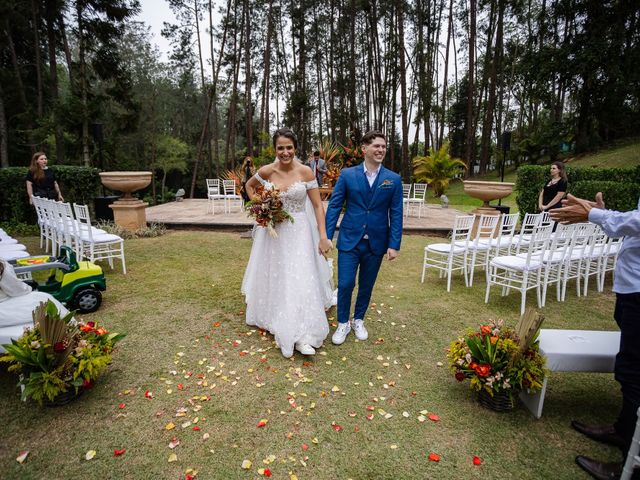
[287, 284]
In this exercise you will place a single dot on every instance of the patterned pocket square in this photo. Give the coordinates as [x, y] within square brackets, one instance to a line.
[386, 184]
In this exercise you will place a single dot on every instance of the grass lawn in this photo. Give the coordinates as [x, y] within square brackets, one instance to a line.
[188, 345]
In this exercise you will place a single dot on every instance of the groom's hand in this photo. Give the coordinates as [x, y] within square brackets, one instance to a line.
[391, 254]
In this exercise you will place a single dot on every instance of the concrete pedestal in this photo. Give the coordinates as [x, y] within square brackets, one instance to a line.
[130, 214]
[484, 211]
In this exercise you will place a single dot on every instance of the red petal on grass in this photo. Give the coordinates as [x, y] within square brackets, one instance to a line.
[180, 386]
[433, 417]
[267, 472]
[148, 394]
[476, 460]
[196, 428]
[336, 427]
[217, 324]
[243, 353]
[122, 405]
[306, 363]
[434, 457]
[118, 452]
[305, 447]
[262, 423]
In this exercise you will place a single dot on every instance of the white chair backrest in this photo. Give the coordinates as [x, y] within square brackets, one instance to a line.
[406, 190]
[419, 191]
[229, 187]
[508, 224]
[213, 185]
[84, 221]
[539, 242]
[529, 222]
[560, 243]
[486, 227]
[462, 230]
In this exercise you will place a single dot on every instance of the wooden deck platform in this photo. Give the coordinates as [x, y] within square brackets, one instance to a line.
[196, 214]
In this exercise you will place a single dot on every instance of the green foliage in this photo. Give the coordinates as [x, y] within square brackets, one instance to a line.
[151, 230]
[437, 169]
[582, 182]
[19, 229]
[78, 184]
[617, 196]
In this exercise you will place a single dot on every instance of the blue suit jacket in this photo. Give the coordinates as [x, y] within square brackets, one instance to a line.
[375, 211]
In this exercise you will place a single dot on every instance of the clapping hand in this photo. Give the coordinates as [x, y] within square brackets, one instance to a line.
[575, 210]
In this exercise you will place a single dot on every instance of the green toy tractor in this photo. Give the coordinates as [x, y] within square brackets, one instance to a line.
[77, 284]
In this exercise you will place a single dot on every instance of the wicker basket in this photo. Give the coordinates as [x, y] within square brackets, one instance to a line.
[64, 397]
[499, 402]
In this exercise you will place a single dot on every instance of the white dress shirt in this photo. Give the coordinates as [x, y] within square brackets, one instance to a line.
[371, 176]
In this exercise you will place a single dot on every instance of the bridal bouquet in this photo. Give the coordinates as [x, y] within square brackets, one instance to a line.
[267, 210]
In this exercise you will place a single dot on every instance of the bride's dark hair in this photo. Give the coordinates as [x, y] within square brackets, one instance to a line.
[287, 133]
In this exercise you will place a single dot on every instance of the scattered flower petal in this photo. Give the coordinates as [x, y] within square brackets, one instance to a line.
[89, 455]
[148, 394]
[262, 423]
[22, 457]
[174, 443]
[172, 458]
[476, 460]
[246, 464]
[434, 457]
[117, 452]
[433, 417]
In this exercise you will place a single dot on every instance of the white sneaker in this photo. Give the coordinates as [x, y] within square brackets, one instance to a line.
[360, 330]
[340, 335]
[305, 349]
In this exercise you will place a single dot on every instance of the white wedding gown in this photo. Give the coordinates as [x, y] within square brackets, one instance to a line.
[288, 284]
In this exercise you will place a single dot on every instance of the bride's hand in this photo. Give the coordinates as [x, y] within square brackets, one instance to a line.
[324, 246]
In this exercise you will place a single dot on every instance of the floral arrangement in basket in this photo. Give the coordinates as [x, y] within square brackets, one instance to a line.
[495, 360]
[59, 356]
[267, 209]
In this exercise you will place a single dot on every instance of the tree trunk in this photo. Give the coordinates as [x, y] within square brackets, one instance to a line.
[264, 107]
[406, 168]
[86, 158]
[50, 14]
[4, 134]
[35, 16]
[445, 76]
[470, 130]
[67, 49]
[247, 72]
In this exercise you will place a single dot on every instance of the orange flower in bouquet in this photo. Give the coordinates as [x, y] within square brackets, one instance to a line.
[267, 209]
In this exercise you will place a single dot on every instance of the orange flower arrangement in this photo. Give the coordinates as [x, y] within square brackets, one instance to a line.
[267, 209]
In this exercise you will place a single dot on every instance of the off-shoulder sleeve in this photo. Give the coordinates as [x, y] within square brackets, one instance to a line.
[311, 184]
[260, 179]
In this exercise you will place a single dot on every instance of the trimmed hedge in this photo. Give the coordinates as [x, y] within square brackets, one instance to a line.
[77, 184]
[620, 186]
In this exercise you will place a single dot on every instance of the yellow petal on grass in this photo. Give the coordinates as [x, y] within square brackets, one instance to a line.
[335, 388]
[170, 426]
[315, 440]
[172, 458]
[246, 464]
[89, 455]
[293, 476]
[393, 447]
[270, 459]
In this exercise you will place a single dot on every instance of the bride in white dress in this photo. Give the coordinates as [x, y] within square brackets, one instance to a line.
[287, 284]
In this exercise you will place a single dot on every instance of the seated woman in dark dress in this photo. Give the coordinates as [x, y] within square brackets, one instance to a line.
[41, 181]
[554, 190]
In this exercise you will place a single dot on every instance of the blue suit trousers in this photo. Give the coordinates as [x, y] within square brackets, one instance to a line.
[359, 261]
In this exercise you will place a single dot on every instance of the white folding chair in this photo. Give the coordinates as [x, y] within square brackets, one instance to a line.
[521, 240]
[555, 257]
[417, 198]
[575, 256]
[406, 194]
[609, 259]
[592, 258]
[44, 239]
[97, 246]
[449, 257]
[230, 195]
[521, 272]
[501, 244]
[633, 455]
[213, 193]
[480, 246]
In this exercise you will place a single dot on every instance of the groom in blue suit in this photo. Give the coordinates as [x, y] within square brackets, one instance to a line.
[371, 227]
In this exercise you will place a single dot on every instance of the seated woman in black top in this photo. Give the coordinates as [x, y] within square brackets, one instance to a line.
[41, 181]
[553, 192]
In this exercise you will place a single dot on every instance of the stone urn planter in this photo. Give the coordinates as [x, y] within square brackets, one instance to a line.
[487, 192]
[128, 211]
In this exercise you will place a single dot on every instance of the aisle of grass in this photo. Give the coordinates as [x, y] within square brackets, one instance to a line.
[187, 345]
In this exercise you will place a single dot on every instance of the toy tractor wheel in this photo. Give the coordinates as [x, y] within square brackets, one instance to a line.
[87, 300]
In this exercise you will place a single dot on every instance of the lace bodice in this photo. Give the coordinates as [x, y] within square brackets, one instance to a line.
[295, 196]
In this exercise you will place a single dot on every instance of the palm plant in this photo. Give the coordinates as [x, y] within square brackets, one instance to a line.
[437, 169]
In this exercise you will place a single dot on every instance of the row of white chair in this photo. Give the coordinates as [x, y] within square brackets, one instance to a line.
[536, 257]
[58, 226]
[222, 190]
[414, 196]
